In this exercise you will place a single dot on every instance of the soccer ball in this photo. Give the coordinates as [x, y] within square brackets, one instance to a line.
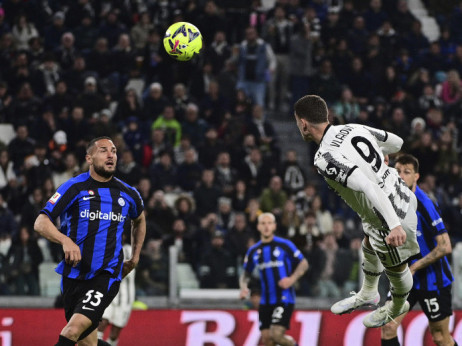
[182, 41]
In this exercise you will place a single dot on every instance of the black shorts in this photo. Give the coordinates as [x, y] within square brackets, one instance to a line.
[435, 304]
[278, 314]
[89, 297]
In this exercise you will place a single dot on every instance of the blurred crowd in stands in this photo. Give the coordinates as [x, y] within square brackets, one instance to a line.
[197, 138]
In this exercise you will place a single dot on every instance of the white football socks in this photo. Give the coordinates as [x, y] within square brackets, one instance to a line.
[372, 268]
[400, 286]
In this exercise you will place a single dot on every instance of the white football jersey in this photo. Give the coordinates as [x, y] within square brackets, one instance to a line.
[346, 148]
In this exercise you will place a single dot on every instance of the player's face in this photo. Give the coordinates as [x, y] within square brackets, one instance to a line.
[103, 158]
[407, 173]
[266, 226]
[302, 125]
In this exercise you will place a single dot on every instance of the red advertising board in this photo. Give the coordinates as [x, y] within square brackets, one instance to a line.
[218, 328]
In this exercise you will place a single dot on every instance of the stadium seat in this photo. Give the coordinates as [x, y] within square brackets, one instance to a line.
[186, 276]
[49, 280]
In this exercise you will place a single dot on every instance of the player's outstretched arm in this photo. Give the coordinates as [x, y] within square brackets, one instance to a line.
[358, 181]
[138, 234]
[443, 247]
[47, 229]
[288, 281]
[387, 141]
[243, 285]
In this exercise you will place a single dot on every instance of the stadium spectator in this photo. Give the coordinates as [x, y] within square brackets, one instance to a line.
[23, 31]
[181, 101]
[154, 147]
[128, 107]
[189, 172]
[240, 196]
[7, 175]
[71, 169]
[163, 173]
[264, 133]
[25, 108]
[325, 83]
[53, 33]
[193, 126]
[185, 208]
[90, 99]
[301, 61]
[128, 169]
[20, 147]
[207, 194]
[24, 258]
[159, 213]
[85, 34]
[111, 28]
[154, 103]
[218, 52]
[217, 268]
[210, 148]
[277, 32]
[8, 225]
[134, 137]
[237, 238]
[139, 33]
[225, 214]
[256, 65]
[225, 174]
[273, 197]
[169, 125]
[152, 272]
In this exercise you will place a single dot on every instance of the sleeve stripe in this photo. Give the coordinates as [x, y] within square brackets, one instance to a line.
[348, 175]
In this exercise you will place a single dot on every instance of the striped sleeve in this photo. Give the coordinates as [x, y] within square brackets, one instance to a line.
[433, 217]
[137, 207]
[249, 264]
[61, 200]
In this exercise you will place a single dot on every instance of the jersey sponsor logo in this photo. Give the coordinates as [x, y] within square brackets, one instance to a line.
[297, 253]
[86, 198]
[87, 308]
[270, 264]
[98, 215]
[54, 198]
[435, 316]
[121, 201]
[434, 223]
[91, 192]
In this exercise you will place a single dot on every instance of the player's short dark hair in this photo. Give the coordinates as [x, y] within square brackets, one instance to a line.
[312, 108]
[408, 159]
[94, 140]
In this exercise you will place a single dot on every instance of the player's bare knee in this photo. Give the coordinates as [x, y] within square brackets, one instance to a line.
[276, 334]
[71, 331]
[389, 330]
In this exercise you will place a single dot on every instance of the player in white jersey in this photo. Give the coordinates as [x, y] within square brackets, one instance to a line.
[119, 311]
[351, 159]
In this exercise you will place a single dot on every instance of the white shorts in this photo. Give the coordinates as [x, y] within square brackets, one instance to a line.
[118, 312]
[393, 256]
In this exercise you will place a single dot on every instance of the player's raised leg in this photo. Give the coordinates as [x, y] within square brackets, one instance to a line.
[368, 295]
[400, 285]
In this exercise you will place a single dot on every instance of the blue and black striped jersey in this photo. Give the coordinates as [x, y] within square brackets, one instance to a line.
[430, 224]
[93, 214]
[275, 260]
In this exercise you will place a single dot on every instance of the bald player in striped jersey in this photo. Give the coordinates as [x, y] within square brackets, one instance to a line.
[351, 159]
[94, 208]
